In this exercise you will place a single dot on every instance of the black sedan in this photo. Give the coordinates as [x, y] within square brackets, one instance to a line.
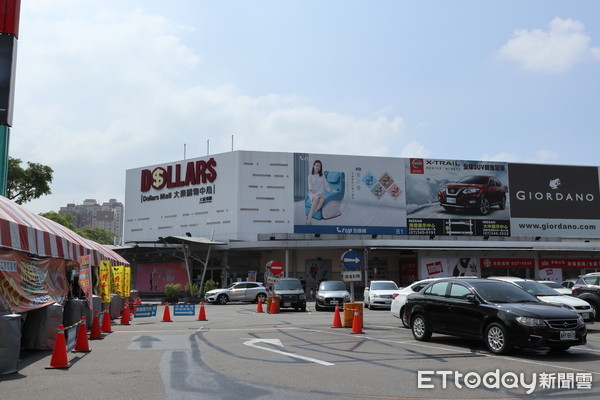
[501, 314]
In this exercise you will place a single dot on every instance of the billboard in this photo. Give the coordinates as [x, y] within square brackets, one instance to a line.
[349, 195]
[453, 197]
[554, 200]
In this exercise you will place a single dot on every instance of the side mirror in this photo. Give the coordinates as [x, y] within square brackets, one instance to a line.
[471, 298]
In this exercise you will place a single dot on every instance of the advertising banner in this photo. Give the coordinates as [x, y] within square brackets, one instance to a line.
[551, 274]
[554, 200]
[507, 263]
[85, 279]
[118, 277]
[569, 263]
[450, 198]
[105, 281]
[127, 282]
[446, 267]
[154, 277]
[349, 195]
[28, 284]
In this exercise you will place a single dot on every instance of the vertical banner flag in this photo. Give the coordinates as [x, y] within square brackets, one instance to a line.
[85, 278]
[127, 282]
[118, 275]
[105, 281]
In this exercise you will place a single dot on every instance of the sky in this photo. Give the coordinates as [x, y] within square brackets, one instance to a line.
[103, 86]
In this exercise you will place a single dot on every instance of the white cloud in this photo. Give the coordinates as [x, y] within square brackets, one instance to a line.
[551, 51]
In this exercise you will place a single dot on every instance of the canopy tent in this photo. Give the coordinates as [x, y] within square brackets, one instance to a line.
[24, 231]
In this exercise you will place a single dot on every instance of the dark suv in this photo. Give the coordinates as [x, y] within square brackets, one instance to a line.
[473, 191]
[587, 288]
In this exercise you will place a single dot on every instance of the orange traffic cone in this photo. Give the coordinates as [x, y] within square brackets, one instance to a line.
[356, 324]
[259, 307]
[125, 316]
[273, 309]
[166, 314]
[81, 343]
[337, 320]
[106, 321]
[59, 354]
[96, 333]
[202, 314]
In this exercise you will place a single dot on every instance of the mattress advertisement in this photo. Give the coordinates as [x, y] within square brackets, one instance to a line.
[457, 198]
[554, 200]
[349, 195]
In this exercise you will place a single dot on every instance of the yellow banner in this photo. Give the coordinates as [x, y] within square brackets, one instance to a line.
[127, 283]
[118, 279]
[105, 281]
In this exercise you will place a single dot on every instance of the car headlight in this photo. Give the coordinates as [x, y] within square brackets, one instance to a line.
[347, 296]
[302, 296]
[320, 296]
[568, 307]
[375, 295]
[470, 191]
[531, 321]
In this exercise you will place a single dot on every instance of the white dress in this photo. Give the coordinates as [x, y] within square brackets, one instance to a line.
[316, 186]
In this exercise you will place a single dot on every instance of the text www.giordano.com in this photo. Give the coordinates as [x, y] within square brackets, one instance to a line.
[559, 226]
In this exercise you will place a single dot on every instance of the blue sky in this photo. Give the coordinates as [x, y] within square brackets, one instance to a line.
[105, 86]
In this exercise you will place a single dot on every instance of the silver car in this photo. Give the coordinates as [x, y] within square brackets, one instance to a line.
[238, 291]
[331, 294]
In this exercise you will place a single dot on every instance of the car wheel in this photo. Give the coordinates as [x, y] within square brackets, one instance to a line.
[484, 206]
[404, 318]
[222, 299]
[366, 304]
[420, 328]
[261, 297]
[558, 348]
[596, 308]
[317, 307]
[502, 204]
[496, 338]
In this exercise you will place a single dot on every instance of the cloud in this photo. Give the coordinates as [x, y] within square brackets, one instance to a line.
[553, 51]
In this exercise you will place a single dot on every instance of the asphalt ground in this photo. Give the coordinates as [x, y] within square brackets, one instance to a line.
[241, 354]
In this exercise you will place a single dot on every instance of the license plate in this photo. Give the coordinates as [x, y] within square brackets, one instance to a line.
[567, 335]
[290, 304]
[451, 200]
[334, 302]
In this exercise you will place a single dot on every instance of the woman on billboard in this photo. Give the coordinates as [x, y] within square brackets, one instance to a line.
[317, 185]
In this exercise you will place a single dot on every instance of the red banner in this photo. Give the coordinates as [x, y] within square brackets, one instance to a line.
[507, 262]
[569, 263]
[28, 283]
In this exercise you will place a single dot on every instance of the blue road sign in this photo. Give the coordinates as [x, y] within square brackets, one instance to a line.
[351, 260]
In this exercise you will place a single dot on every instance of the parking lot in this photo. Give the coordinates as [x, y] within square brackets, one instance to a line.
[241, 354]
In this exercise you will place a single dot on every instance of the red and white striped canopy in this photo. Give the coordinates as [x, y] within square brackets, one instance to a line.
[24, 231]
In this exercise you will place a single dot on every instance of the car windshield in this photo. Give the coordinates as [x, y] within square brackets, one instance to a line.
[474, 180]
[502, 292]
[292, 284]
[537, 289]
[332, 285]
[383, 286]
[553, 284]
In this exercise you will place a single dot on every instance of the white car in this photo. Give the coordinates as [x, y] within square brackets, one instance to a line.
[379, 294]
[548, 295]
[397, 306]
[558, 287]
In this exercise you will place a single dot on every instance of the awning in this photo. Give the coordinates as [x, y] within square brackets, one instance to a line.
[24, 231]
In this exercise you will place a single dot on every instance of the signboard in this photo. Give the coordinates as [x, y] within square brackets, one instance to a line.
[145, 310]
[351, 276]
[275, 267]
[272, 280]
[351, 260]
[184, 309]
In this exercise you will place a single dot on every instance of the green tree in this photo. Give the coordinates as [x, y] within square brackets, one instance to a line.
[98, 235]
[66, 220]
[26, 184]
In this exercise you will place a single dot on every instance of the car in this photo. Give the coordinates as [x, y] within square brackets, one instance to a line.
[291, 293]
[557, 286]
[548, 295]
[238, 291]
[587, 287]
[473, 191]
[501, 314]
[397, 306]
[568, 283]
[379, 294]
[330, 294]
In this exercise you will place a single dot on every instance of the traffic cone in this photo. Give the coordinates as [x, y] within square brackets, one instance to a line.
[59, 354]
[273, 309]
[356, 324]
[125, 316]
[96, 333]
[106, 321]
[259, 307]
[202, 314]
[337, 320]
[81, 343]
[166, 314]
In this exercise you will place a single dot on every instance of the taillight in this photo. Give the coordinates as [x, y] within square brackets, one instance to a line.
[394, 295]
[575, 288]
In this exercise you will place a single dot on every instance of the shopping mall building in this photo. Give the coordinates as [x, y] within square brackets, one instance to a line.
[226, 216]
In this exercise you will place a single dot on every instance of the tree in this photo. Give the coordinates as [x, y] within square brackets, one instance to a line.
[24, 185]
[68, 220]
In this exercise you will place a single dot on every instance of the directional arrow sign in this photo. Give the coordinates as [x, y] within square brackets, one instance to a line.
[277, 342]
[146, 341]
[351, 260]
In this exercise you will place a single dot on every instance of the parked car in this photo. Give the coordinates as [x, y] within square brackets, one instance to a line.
[473, 191]
[551, 296]
[238, 291]
[330, 294]
[397, 306]
[557, 286]
[587, 287]
[497, 312]
[568, 283]
[379, 294]
[291, 293]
